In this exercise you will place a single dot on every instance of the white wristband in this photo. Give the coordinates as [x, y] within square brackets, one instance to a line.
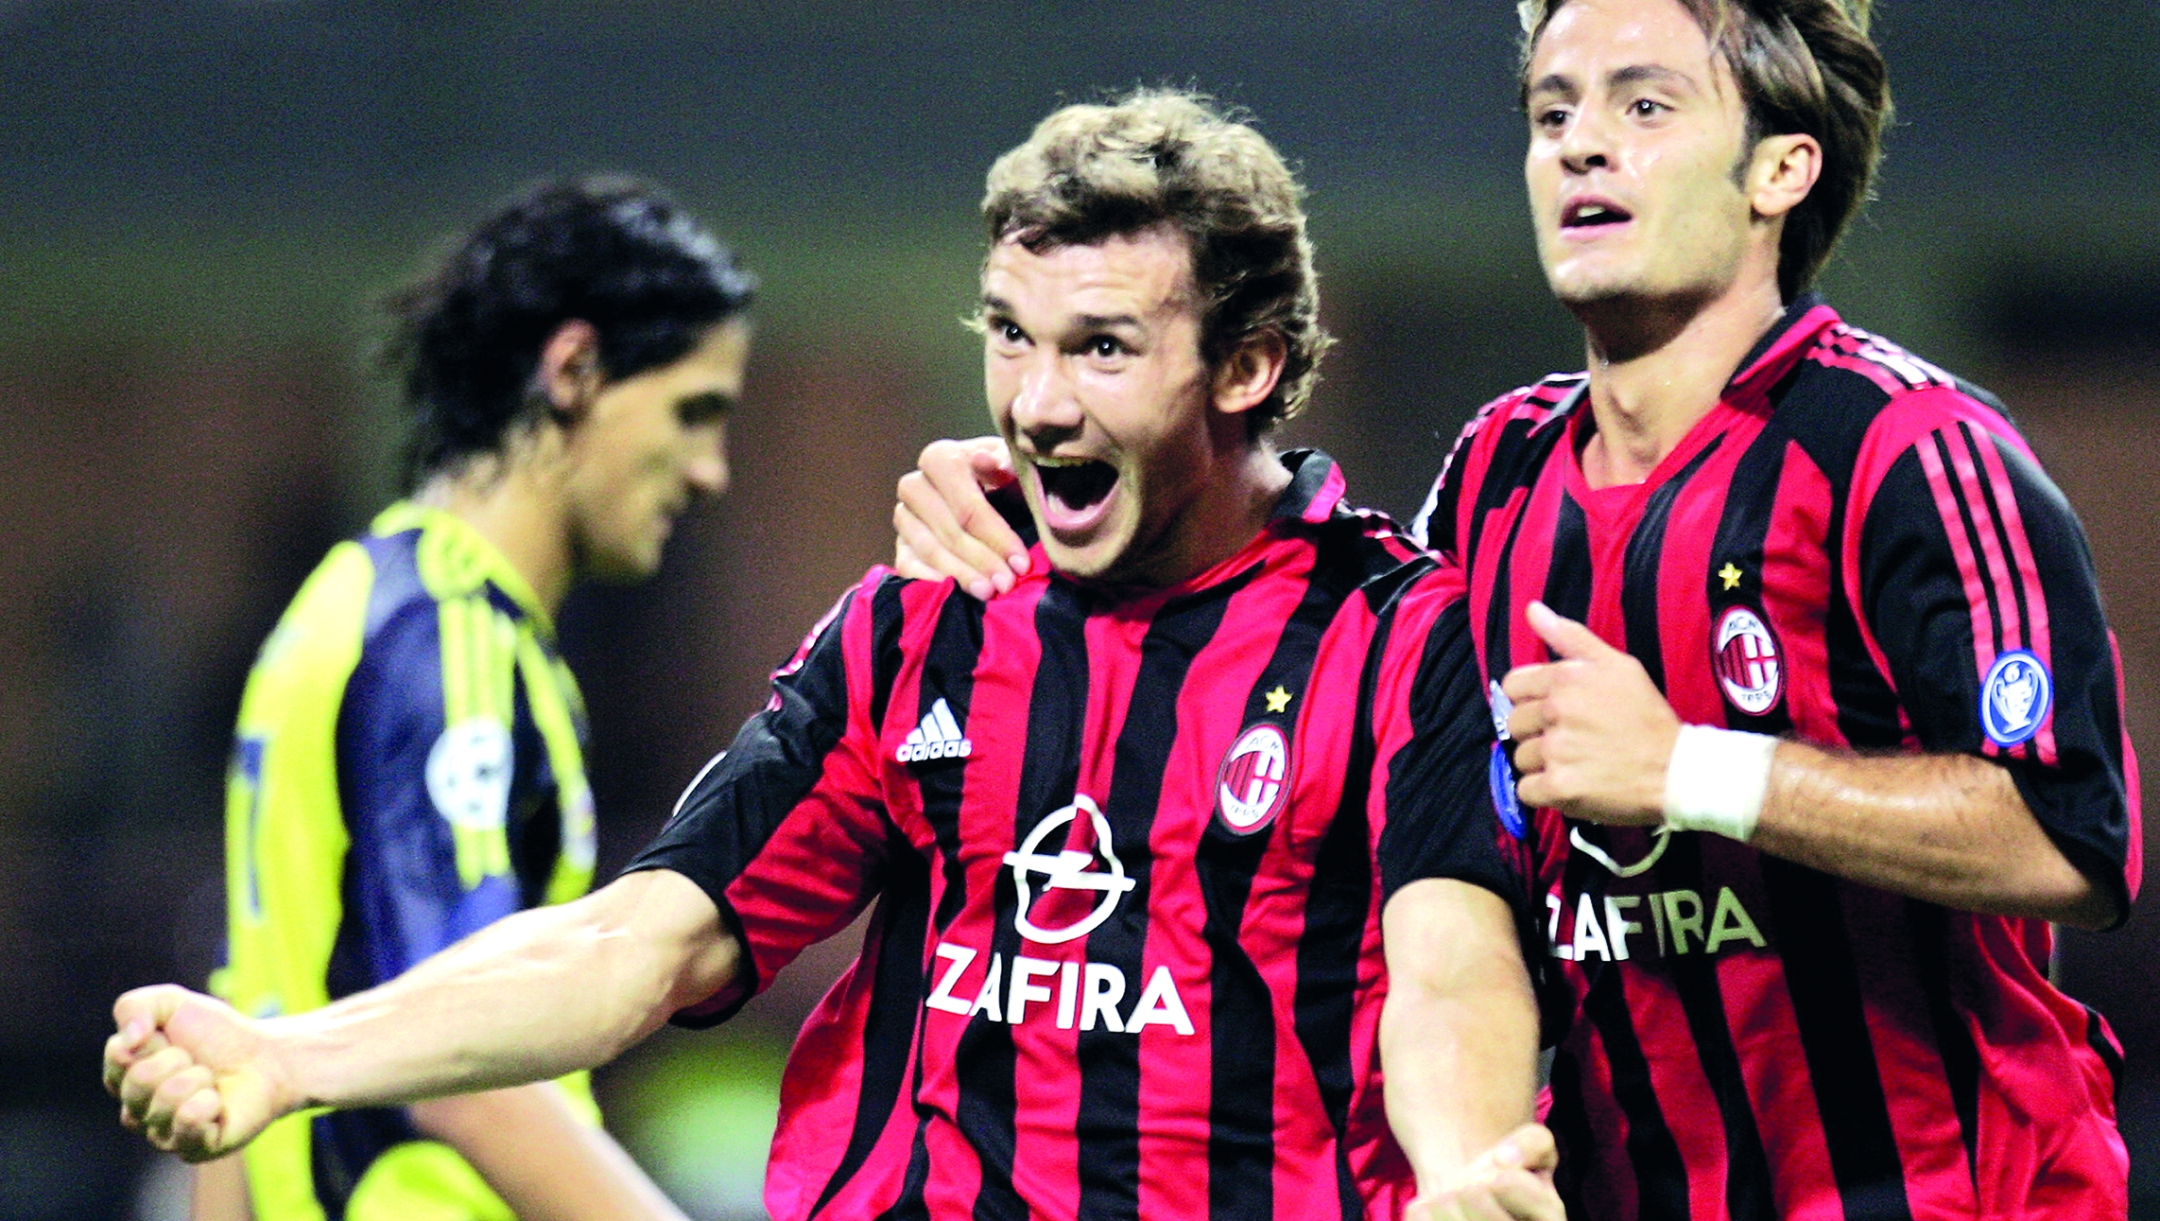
[1716, 779]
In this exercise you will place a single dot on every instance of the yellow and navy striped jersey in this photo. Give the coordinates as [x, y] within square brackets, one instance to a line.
[408, 767]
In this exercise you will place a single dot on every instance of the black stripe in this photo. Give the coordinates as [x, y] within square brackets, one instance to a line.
[1953, 1042]
[1695, 981]
[1820, 976]
[895, 945]
[1108, 1127]
[1567, 572]
[1661, 1184]
[1645, 554]
[909, 1204]
[886, 616]
[1499, 642]
[1336, 906]
[985, 1060]
[1751, 506]
[1241, 1055]
[1581, 1153]
[948, 673]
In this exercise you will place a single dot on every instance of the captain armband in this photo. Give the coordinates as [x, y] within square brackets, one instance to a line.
[1716, 780]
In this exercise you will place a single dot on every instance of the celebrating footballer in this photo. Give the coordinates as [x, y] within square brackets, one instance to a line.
[1178, 852]
[1815, 716]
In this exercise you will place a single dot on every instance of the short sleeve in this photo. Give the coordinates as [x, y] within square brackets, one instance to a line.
[426, 794]
[1434, 754]
[786, 830]
[1978, 590]
[1434, 527]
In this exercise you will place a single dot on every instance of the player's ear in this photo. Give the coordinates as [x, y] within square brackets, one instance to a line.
[1781, 172]
[569, 372]
[1247, 376]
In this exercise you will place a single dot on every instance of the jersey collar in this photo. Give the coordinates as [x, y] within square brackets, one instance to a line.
[1316, 487]
[1782, 344]
[470, 558]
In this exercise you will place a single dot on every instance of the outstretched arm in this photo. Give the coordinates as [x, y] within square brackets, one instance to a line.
[1595, 740]
[946, 524]
[1458, 1048]
[529, 998]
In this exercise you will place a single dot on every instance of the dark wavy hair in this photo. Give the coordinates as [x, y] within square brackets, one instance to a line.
[1804, 66]
[1168, 157]
[465, 339]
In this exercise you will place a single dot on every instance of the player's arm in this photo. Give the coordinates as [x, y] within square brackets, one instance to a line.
[1459, 1027]
[946, 525]
[541, 1157]
[2032, 821]
[217, 1191]
[529, 998]
[1458, 1048]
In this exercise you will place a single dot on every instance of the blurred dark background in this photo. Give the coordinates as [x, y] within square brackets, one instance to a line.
[198, 201]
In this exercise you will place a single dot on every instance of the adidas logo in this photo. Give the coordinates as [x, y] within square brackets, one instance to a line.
[938, 737]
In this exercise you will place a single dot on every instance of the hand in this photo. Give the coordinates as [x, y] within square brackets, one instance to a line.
[946, 525]
[1592, 733]
[192, 1075]
[1512, 1181]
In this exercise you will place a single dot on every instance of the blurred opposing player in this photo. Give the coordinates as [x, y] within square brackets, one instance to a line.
[1801, 943]
[409, 761]
[1133, 832]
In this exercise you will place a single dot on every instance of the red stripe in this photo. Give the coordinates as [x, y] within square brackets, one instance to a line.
[1961, 549]
[2028, 573]
[1330, 494]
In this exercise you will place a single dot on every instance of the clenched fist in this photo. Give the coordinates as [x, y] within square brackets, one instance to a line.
[192, 1074]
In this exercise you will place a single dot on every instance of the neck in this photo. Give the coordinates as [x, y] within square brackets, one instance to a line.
[1657, 367]
[1233, 504]
[512, 500]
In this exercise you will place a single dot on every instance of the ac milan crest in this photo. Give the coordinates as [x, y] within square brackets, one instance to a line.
[1745, 657]
[1250, 784]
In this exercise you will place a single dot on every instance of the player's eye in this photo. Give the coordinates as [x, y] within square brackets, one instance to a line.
[1645, 108]
[697, 409]
[1106, 347]
[1007, 330]
[1550, 119]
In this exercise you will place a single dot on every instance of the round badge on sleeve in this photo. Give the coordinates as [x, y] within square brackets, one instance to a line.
[2015, 698]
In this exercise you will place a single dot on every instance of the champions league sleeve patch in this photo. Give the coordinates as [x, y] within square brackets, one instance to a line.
[1504, 801]
[1502, 769]
[468, 774]
[2015, 698]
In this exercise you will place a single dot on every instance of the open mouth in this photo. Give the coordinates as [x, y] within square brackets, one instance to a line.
[1075, 485]
[1592, 214]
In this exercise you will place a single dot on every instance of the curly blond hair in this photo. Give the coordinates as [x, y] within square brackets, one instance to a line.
[1170, 157]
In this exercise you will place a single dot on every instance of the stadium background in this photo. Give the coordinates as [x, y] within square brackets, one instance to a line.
[198, 200]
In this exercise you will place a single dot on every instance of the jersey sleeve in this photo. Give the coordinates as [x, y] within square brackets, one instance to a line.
[787, 829]
[1434, 789]
[425, 768]
[1983, 608]
[1434, 527]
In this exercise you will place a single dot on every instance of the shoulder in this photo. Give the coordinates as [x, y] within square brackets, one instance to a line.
[1529, 408]
[1856, 402]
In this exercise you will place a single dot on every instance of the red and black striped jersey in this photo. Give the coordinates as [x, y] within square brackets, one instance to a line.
[1857, 550]
[1129, 856]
